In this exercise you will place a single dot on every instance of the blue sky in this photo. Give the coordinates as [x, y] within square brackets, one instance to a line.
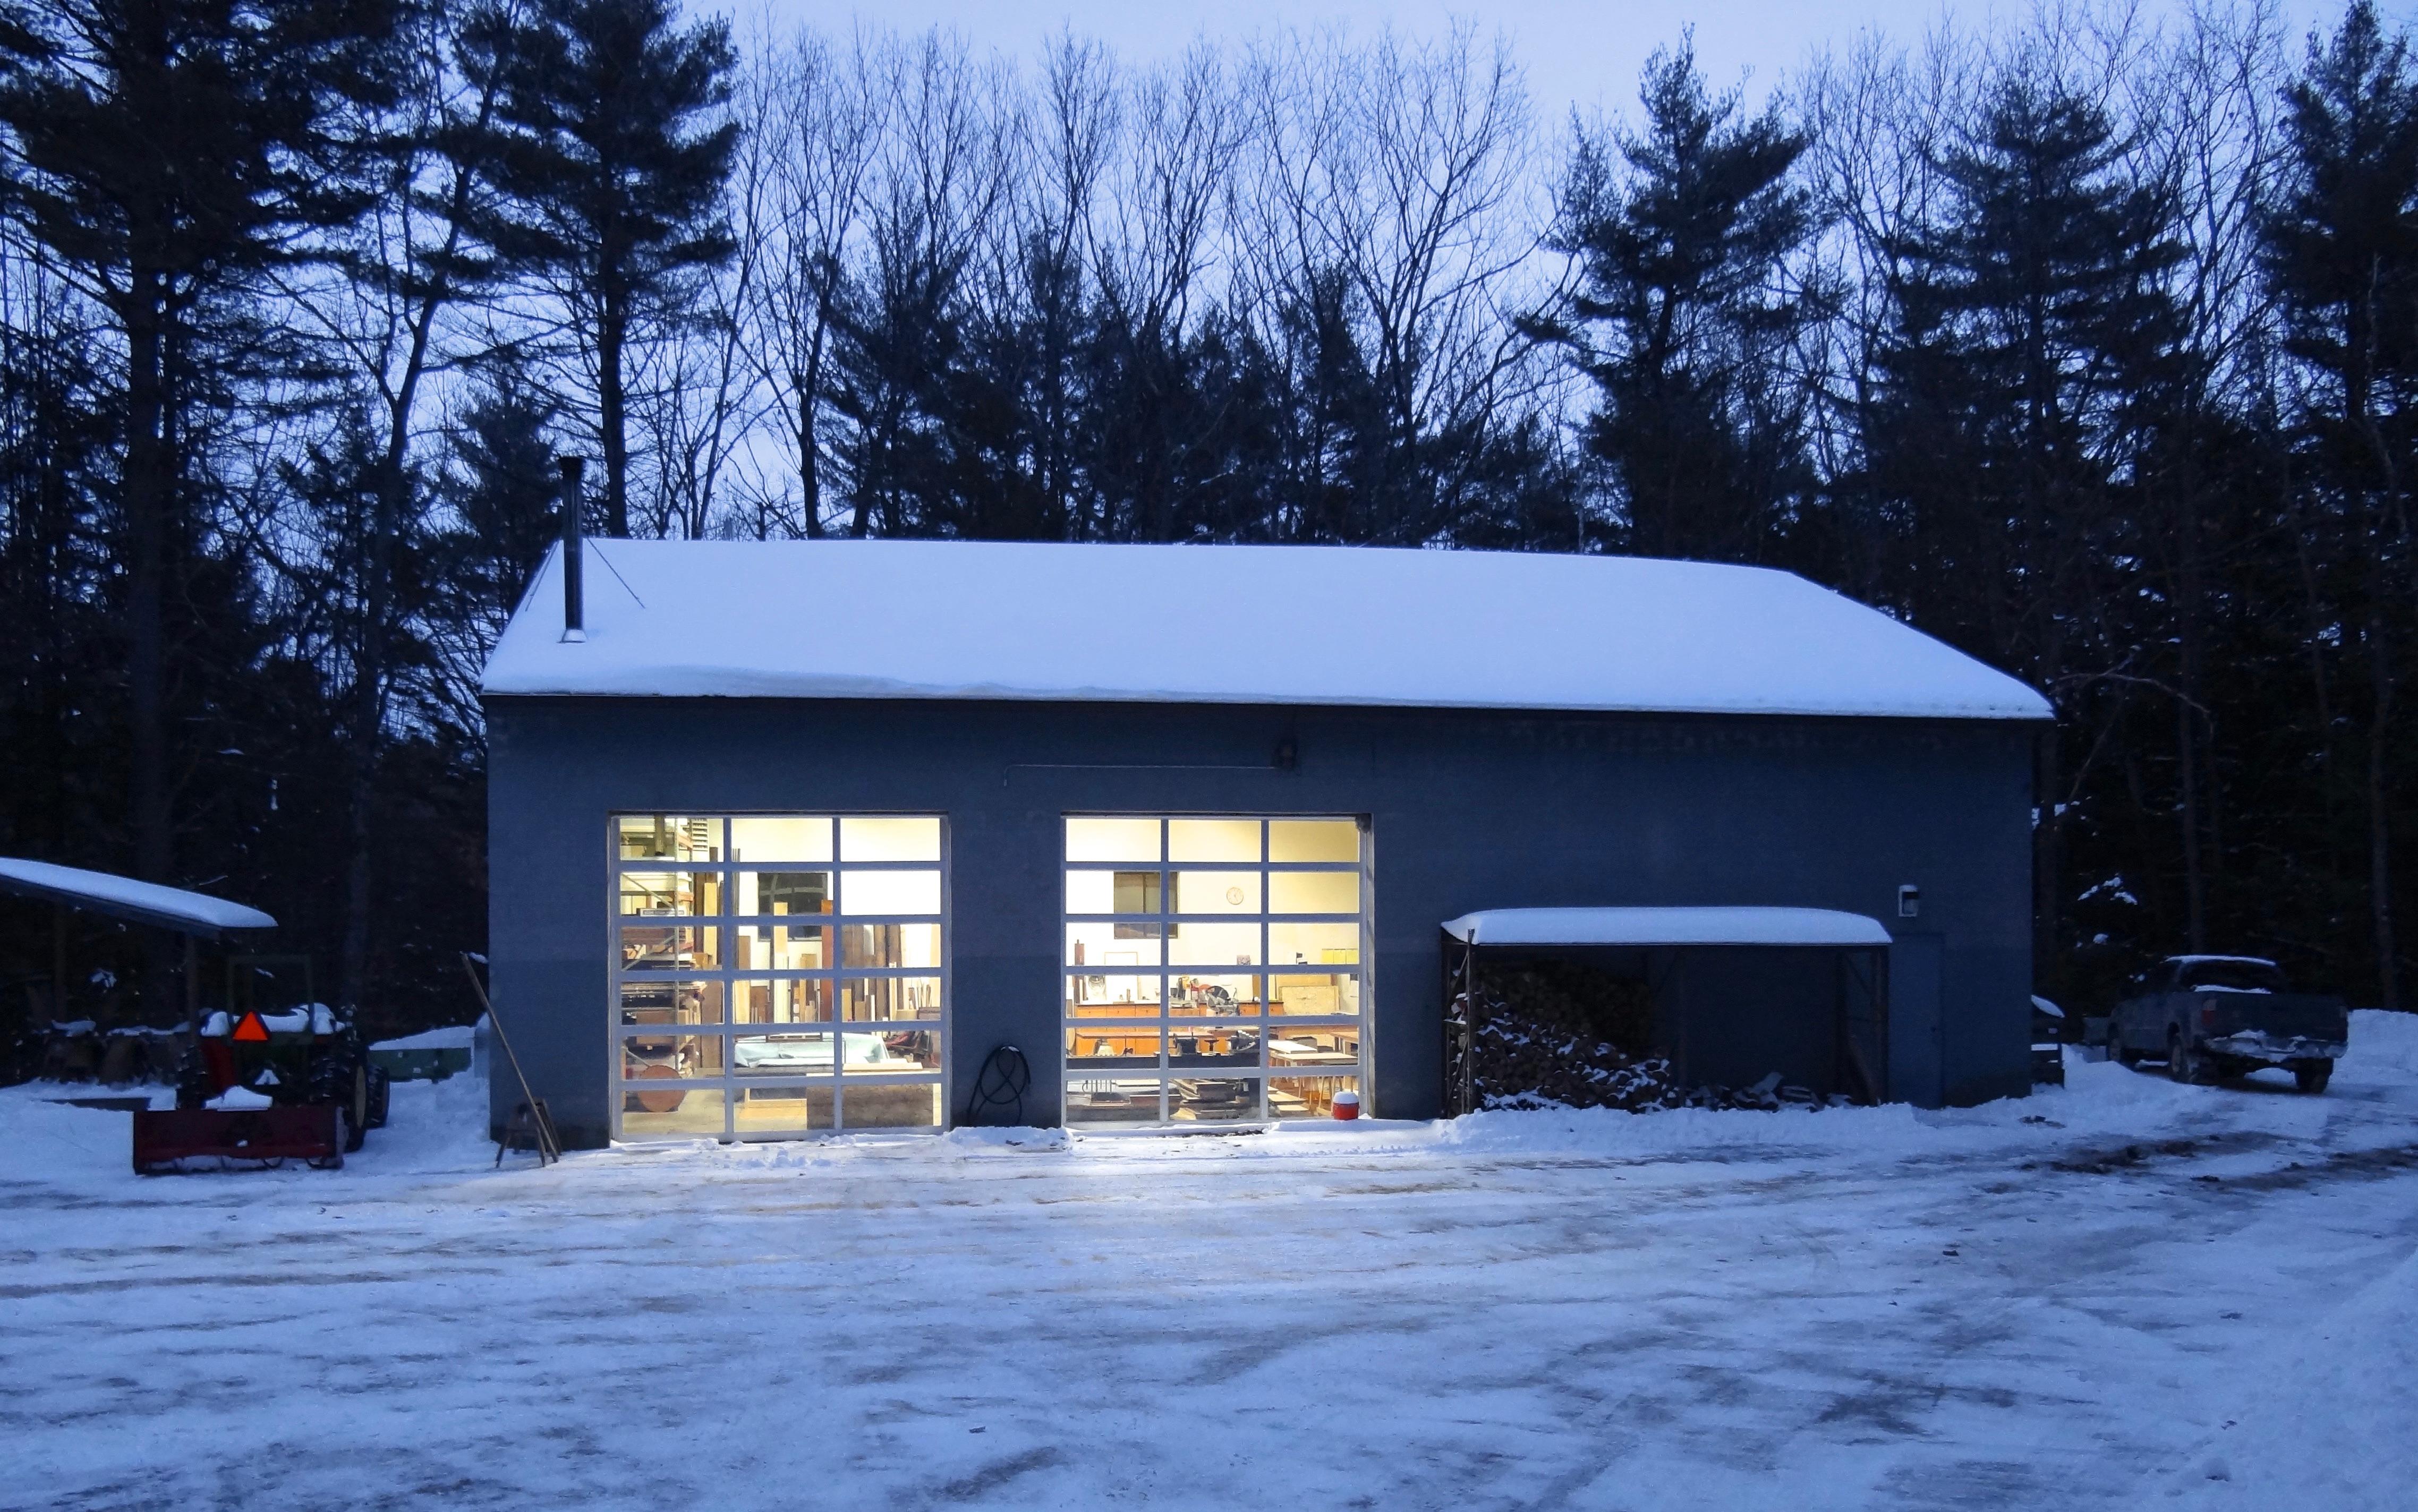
[1575, 53]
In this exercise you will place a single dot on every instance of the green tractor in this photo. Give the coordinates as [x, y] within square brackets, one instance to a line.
[265, 1085]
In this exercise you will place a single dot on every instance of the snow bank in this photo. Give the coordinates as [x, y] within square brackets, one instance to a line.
[2329, 1423]
[1257, 624]
[2382, 1040]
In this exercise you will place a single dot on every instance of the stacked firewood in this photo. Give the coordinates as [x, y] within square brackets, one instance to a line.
[1556, 1035]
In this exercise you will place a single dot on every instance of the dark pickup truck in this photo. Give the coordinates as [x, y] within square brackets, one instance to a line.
[2215, 1016]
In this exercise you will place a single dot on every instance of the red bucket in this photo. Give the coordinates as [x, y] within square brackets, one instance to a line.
[1347, 1104]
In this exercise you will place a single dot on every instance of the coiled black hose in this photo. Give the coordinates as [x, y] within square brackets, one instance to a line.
[1005, 1078]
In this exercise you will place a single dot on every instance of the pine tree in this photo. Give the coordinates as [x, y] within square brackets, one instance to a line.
[612, 157]
[1681, 232]
[2342, 254]
[2035, 364]
[166, 152]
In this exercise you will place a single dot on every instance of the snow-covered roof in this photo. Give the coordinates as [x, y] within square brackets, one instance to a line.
[122, 897]
[454, 1037]
[1666, 927]
[1229, 624]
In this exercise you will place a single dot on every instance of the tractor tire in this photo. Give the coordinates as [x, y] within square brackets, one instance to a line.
[2312, 1076]
[381, 1094]
[353, 1110]
[347, 1138]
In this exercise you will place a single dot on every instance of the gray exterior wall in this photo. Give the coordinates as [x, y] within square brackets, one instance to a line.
[1467, 810]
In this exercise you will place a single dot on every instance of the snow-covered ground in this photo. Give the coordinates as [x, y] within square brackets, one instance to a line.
[2127, 1294]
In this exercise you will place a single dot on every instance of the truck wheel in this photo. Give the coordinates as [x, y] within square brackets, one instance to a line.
[2312, 1076]
[381, 1095]
[2183, 1062]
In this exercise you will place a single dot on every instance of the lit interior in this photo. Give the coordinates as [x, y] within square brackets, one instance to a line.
[777, 975]
[1213, 969]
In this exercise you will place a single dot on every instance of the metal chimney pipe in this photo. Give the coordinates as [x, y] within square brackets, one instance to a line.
[574, 611]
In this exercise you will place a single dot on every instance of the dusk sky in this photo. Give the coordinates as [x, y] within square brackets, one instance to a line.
[1575, 53]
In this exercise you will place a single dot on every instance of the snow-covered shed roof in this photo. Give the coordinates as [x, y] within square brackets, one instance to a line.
[1666, 927]
[122, 897]
[1229, 624]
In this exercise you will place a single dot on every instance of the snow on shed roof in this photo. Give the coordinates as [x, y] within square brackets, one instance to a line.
[1666, 927]
[122, 897]
[1229, 624]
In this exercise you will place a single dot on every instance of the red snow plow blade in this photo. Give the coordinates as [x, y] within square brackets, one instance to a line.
[211, 1139]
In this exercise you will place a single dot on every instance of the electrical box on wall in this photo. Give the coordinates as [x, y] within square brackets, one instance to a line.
[1909, 902]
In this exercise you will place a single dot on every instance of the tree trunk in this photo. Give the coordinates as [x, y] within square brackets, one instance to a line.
[613, 415]
[2187, 743]
[145, 484]
[2195, 905]
[2380, 814]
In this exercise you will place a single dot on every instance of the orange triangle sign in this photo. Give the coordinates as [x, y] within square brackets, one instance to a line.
[251, 1028]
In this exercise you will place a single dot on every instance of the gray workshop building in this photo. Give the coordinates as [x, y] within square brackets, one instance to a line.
[795, 837]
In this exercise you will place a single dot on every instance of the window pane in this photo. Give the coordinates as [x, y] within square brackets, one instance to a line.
[1313, 840]
[913, 1049]
[1304, 996]
[1108, 993]
[913, 1107]
[661, 1057]
[1191, 1047]
[1214, 997]
[1111, 1047]
[1307, 1096]
[889, 839]
[1112, 840]
[793, 1053]
[1216, 892]
[897, 944]
[1327, 1047]
[1314, 944]
[661, 1000]
[797, 1001]
[890, 998]
[668, 837]
[1110, 947]
[1135, 892]
[1124, 1100]
[774, 895]
[782, 1109]
[1091, 892]
[1313, 892]
[1214, 944]
[1213, 840]
[1212, 1099]
[671, 947]
[671, 895]
[783, 837]
[864, 893]
[679, 1111]
[871, 1053]
[782, 948]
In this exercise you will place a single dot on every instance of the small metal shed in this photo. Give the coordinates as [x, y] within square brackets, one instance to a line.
[196, 916]
[1696, 964]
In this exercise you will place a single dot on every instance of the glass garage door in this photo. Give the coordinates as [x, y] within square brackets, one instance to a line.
[1213, 969]
[777, 975]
